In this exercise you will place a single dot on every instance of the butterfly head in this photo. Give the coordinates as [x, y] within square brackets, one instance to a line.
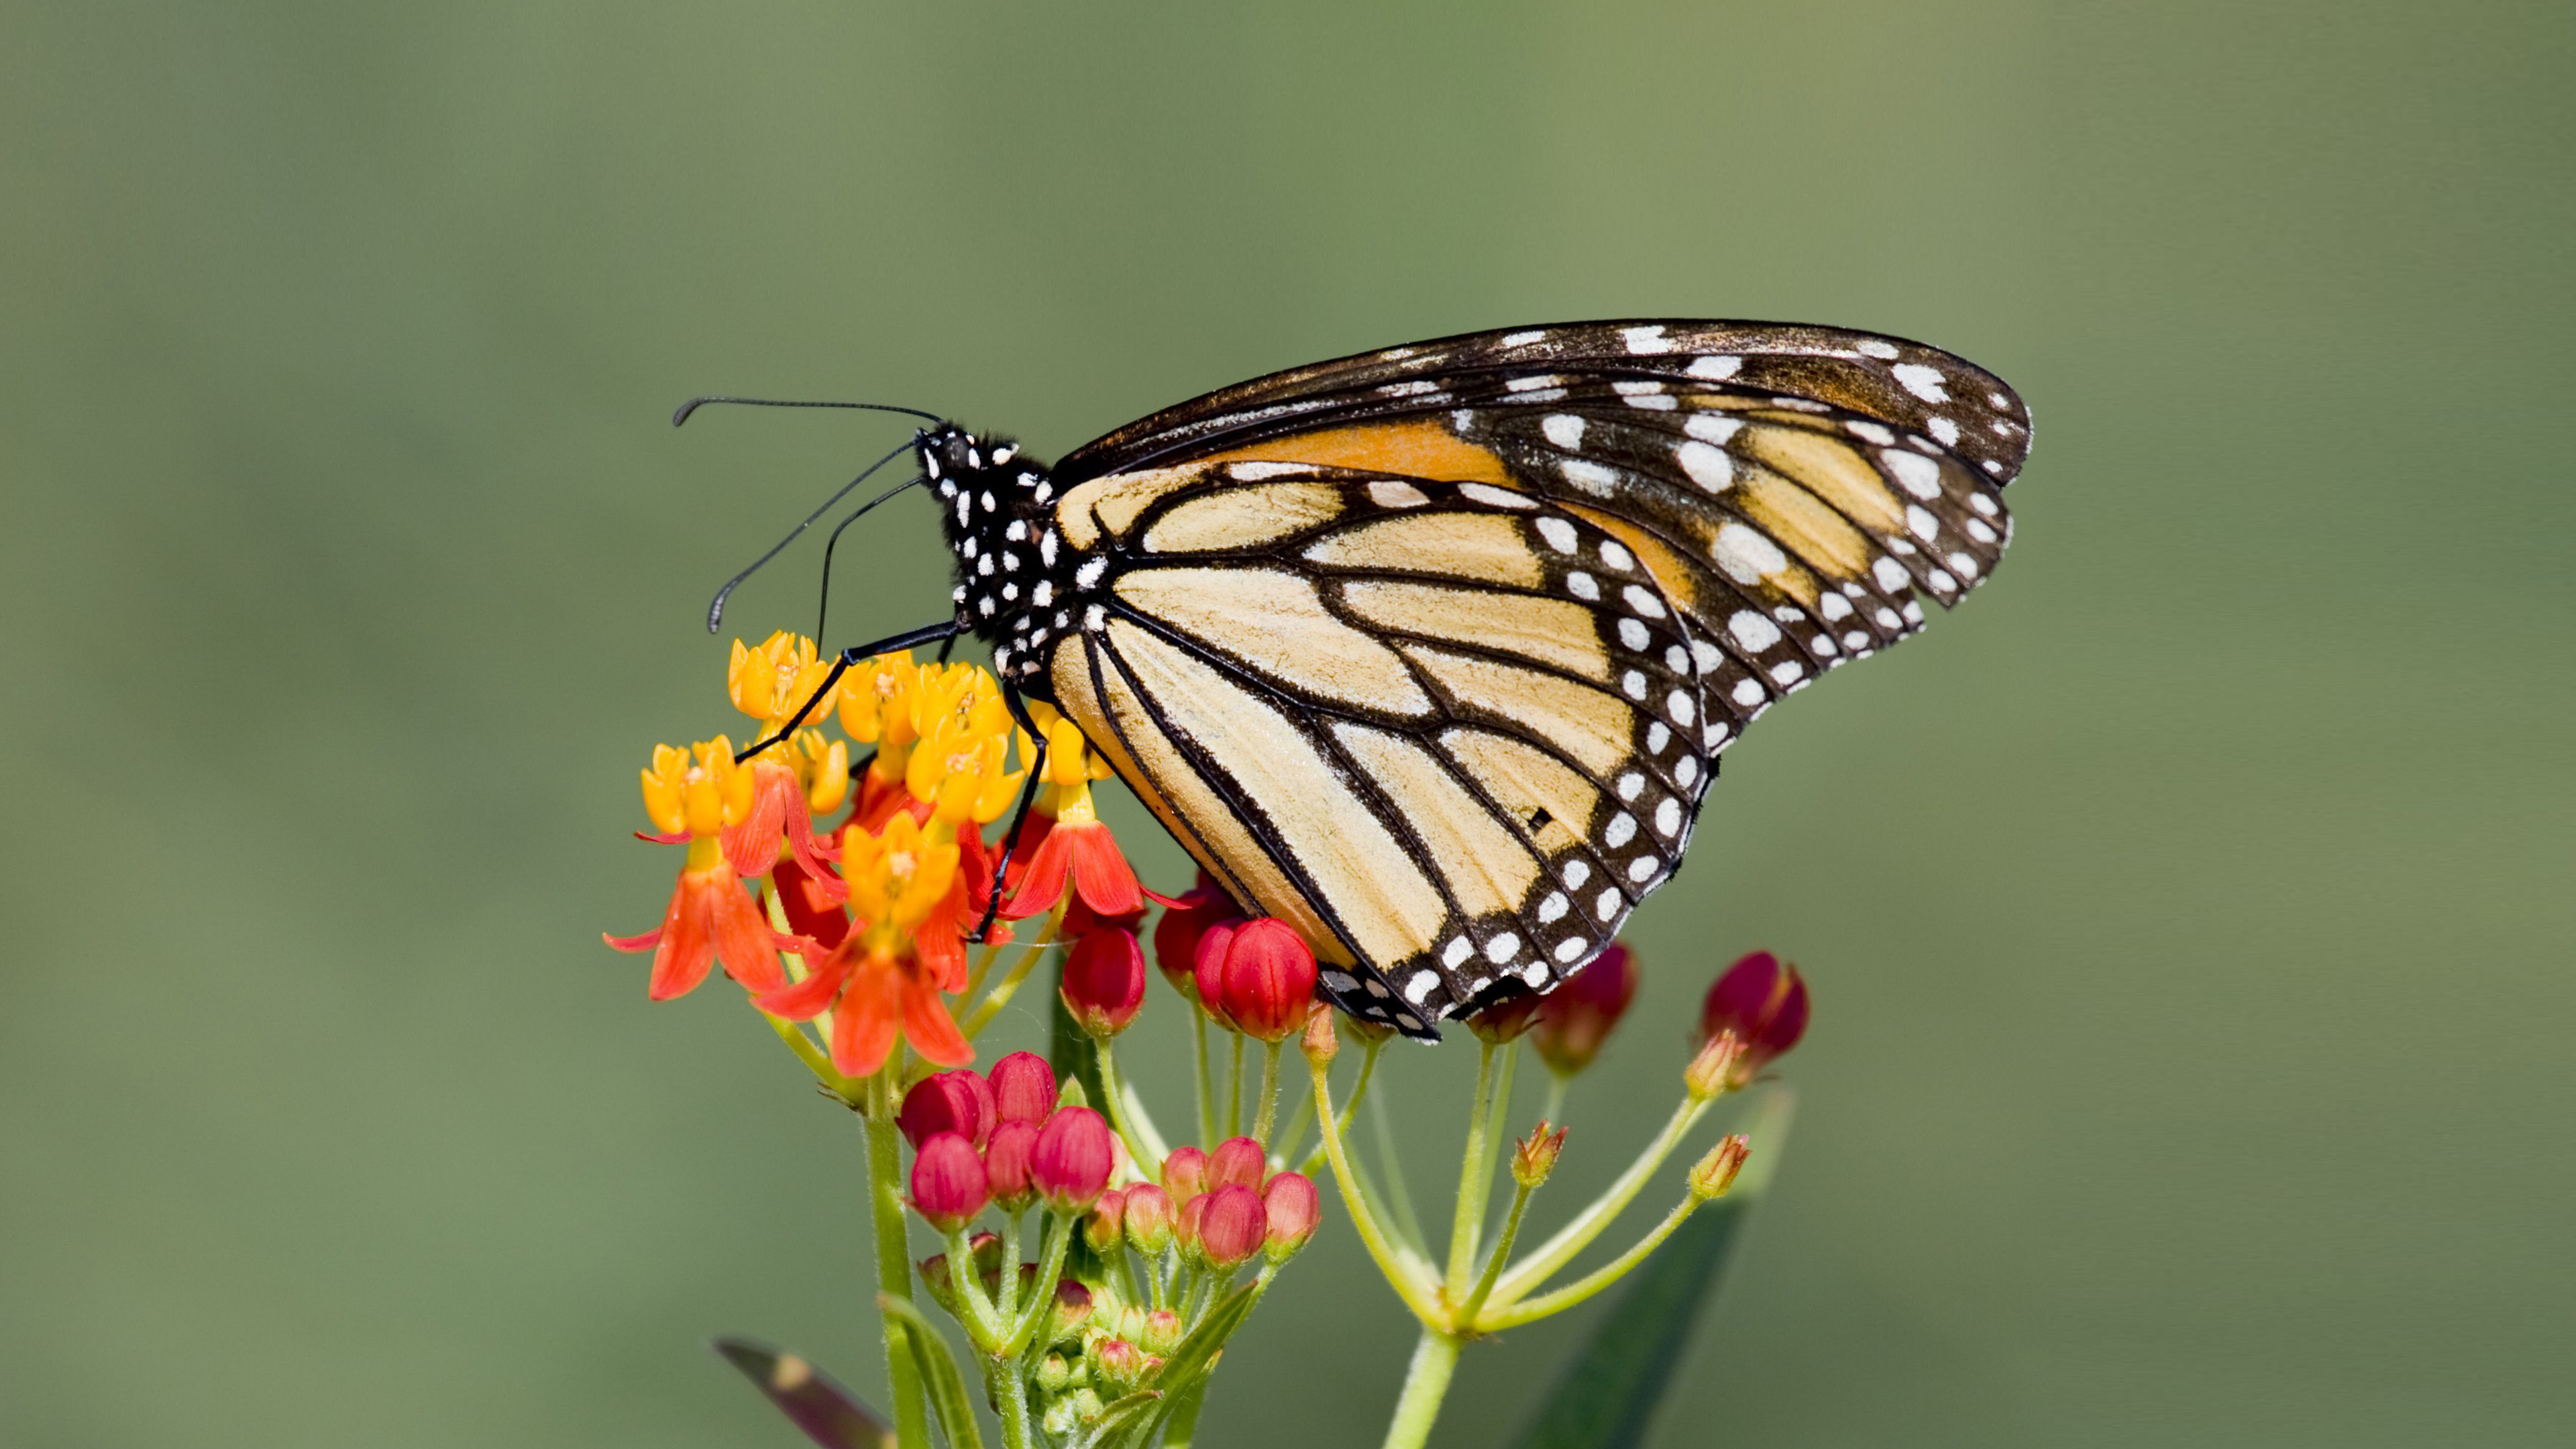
[996, 511]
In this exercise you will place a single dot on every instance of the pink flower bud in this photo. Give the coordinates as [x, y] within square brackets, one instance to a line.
[1233, 1227]
[1185, 1174]
[1006, 1165]
[1118, 1363]
[1162, 1332]
[1104, 982]
[1074, 1156]
[1237, 1160]
[948, 1187]
[1576, 1018]
[1294, 1209]
[1148, 1219]
[1319, 1044]
[1185, 1231]
[1105, 1228]
[1176, 935]
[1762, 1000]
[1023, 1088]
[1267, 985]
[934, 1276]
[957, 1102]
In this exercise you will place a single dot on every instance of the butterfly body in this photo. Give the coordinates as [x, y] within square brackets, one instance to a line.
[1431, 651]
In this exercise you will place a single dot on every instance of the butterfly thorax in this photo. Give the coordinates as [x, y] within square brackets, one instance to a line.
[1015, 574]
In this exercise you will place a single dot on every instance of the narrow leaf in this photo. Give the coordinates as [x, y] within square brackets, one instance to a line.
[939, 1373]
[1608, 1393]
[830, 1415]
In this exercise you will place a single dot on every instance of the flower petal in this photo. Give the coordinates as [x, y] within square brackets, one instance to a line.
[863, 1025]
[686, 950]
[808, 998]
[931, 1030]
[743, 940]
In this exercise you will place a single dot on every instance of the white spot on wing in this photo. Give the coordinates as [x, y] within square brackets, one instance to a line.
[1565, 430]
[1559, 534]
[1914, 473]
[1591, 477]
[1873, 347]
[1744, 555]
[1391, 494]
[1923, 382]
[1716, 368]
[1644, 340]
[1708, 467]
[1752, 630]
[1524, 339]
[1491, 496]
[1711, 427]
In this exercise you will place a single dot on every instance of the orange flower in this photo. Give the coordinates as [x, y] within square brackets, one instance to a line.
[876, 983]
[709, 917]
[795, 780]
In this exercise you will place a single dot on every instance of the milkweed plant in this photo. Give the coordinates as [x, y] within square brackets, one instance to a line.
[1096, 1258]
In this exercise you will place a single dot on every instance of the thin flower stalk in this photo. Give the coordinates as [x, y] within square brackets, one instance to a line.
[1560, 1248]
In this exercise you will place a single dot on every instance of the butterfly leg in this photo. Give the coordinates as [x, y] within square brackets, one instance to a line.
[1019, 817]
[909, 638]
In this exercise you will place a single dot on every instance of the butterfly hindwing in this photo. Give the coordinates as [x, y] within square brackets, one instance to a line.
[1447, 725]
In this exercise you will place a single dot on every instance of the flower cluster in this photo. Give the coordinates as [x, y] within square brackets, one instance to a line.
[868, 916]
[855, 886]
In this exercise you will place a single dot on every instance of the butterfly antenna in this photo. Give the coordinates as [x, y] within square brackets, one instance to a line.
[715, 610]
[695, 403]
[823, 604]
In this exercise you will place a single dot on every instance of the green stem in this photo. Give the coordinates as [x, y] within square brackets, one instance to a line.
[1269, 1092]
[1368, 1068]
[1554, 1114]
[981, 1320]
[1590, 1283]
[894, 1260]
[1008, 986]
[1502, 1250]
[1588, 1224]
[1399, 1197]
[1184, 1420]
[1060, 1233]
[1468, 1221]
[1412, 1284]
[1207, 1081]
[1010, 1402]
[1435, 1358]
[1113, 1090]
[1234, 1087]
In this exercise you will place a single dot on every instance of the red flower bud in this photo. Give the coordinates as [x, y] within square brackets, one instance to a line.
[1105, 1228]
[956, 1101]
[1185, 1174]
[1104, 982]
[1006, 1165]
[1161, 1333]
[1267, 983]
[948, 1187]
[1233, 1227]
[1207, 968]
[1023, 1088]
[934, 1276]
[1176, 935]
[1762, 1000]
[1118, 1363]
[1073, 1159]
[1237, 1160]
[1576, 1018]
[1148, 1218]
[1294, 1209]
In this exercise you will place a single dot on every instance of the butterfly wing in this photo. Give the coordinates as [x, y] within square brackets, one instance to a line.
[1450, 732]
[1361, 624]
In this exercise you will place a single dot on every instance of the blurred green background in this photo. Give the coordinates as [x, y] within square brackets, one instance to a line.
[2188, 916]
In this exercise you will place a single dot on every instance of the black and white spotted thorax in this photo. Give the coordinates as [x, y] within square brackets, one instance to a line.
[1020, 586]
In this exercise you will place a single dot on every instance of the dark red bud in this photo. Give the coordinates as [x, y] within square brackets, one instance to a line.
[1023, 1088]
[1104, 982]
[1576, 1018]
[1207, 970]
[1763, 1001]
[1074, 1156]
[1269, 980]
[1006, 1165]
[958, 1101]
[948, 1187]
[1176, 935]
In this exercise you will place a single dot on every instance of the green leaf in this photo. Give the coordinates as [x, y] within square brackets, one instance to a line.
[1607, 1396]
[830, 1415]
[939, 1373]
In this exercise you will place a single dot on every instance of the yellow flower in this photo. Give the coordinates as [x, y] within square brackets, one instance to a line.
[768, 683]
[697, 800]
[898, 877]
[823, 767]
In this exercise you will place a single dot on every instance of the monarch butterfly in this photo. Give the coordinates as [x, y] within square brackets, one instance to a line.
[1431, 651]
